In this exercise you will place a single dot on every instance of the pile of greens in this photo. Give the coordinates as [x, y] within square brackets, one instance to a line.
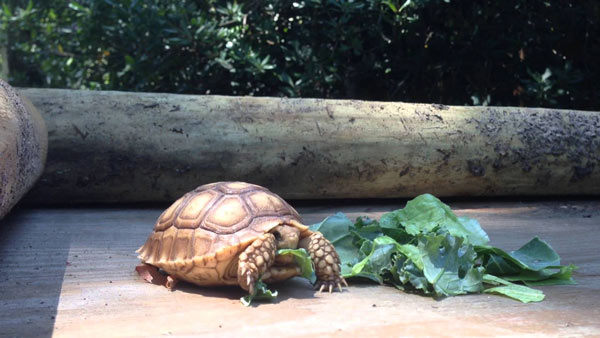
[426, 248]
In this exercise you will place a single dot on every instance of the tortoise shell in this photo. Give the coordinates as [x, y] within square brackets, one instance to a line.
[200, 236]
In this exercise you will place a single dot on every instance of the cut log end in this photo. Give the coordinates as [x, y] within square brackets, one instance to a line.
[23, 146]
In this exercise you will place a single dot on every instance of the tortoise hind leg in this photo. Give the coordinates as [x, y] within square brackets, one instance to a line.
[325, 260]
[171, 282]
[151, 274]
[255, 261]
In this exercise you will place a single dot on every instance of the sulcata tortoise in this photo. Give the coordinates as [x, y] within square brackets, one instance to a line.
[227, 233]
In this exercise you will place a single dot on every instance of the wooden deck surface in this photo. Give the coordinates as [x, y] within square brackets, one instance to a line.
[70, 272]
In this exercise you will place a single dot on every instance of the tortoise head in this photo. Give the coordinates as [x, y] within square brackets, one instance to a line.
[286, 236]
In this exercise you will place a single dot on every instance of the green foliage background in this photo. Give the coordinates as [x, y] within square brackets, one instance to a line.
[511, 52]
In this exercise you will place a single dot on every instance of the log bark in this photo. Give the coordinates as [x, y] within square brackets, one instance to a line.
[23, 146]
[134, 147]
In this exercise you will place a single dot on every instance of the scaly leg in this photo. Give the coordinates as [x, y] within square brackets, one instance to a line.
[255, 260]
[326, 261]
[171, 282]
[151, 274]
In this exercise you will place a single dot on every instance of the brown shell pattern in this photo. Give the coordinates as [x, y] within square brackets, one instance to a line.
[196, 238]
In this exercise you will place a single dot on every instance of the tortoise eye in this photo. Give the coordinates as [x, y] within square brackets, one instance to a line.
[277, 235]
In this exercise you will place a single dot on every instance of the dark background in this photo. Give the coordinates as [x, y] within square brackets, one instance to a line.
[511, 52]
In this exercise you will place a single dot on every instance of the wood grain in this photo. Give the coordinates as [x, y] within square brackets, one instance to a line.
[70, 273]
[23, 146]
[120, 146]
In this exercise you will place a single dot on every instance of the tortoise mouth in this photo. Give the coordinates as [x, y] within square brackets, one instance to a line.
[286, 237]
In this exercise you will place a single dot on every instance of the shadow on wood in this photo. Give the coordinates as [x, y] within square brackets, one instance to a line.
[33, 258]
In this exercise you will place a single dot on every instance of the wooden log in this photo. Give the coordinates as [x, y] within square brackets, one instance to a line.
[23, 146]
[132, 147]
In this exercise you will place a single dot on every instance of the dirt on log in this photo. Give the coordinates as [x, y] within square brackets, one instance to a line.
[23, 146]
[134, 147]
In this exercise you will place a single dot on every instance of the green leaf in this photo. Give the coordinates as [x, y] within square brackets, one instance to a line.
[391, 5]
[426, 212]
[546, 75]
[261, 292]
[303, 260]
[129, 60]
[78, 7]
[379, 257]
[534, 255]
[393, 229]
[413, 253]
[496, 265]
[406, 4]
[225, 64]
[449, 265]
[6, 10]
[559, 275]
[407, 272]
[514, 291]
[336, 229]
[377, 262]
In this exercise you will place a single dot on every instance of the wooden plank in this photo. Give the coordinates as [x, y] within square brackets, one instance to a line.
[69, 272]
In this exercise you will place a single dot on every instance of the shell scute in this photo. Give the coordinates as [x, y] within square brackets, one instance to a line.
[181, 245]
[232, 188]
[264, 203]
[228, 215]
[194, 210]
[202, 242]
[167, 240]
[166, 218]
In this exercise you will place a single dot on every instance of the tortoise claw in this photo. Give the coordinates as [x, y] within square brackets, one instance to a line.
[171, 282]
[251, 283]
[329, 285]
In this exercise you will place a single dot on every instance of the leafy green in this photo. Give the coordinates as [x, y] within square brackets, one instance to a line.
[377, 262]
[497, 265]
[518, 292]
[426, 212]
[303, 260]
[449, 265]
[556, 275]
[535, 255]
[261, 292]
[534, 264]
[426, 247]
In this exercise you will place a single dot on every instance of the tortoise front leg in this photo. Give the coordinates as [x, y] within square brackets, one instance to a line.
[325, 260]
[255, 260]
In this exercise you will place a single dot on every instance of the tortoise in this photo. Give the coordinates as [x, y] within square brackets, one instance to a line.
[227, 233]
